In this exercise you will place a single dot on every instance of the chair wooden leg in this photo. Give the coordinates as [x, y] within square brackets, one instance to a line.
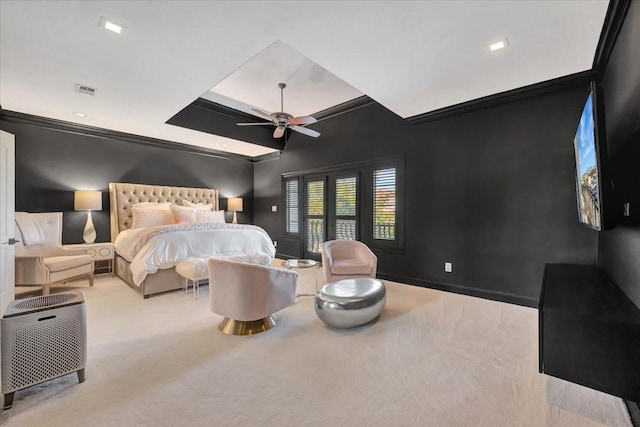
[91, 279]
[45, 289]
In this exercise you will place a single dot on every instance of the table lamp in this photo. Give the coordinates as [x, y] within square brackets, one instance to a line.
[234, 204]
[87, 200]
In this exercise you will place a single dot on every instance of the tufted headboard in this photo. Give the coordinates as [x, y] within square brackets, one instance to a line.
[122, 196]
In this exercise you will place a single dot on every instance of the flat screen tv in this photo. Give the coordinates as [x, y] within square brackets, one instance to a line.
[589, 151]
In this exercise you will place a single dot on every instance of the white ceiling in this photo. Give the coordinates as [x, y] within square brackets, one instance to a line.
[310, 88]
[412, 57]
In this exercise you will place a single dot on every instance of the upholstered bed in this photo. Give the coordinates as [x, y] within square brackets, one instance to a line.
[149, 268]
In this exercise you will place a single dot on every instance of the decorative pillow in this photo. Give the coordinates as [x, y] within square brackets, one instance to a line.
[142, 218]
[152, 205]
[183, 215]
[202, 206]
[207, 217]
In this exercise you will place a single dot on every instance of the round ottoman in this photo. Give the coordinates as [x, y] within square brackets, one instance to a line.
[350, 302]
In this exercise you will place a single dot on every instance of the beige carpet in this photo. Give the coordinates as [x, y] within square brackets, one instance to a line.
[432, 359]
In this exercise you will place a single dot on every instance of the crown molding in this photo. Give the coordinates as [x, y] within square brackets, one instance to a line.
[343, 108]
[525, 92]
[267, 157]
[614, 19]
[80, 129]
[616, 14]
[223, 110]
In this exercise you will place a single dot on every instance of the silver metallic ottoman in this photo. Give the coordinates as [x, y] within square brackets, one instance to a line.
[350, 302]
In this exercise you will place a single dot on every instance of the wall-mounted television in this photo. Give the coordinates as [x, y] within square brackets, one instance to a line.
[592, 187]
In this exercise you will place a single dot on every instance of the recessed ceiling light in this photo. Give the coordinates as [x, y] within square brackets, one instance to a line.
[225, 145]
[499, 45]
[75, 113]
[110, 25]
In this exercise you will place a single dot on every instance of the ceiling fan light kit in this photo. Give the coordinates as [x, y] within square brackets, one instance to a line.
[282, 120]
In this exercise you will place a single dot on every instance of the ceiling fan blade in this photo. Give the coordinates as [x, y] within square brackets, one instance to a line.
[308, 132]
[263, 113]
[255, 124]
[278, 132]
[303, 120]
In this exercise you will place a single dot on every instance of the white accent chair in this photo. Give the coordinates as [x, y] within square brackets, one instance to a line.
[249, 294]
[40, 257]
[347, 259]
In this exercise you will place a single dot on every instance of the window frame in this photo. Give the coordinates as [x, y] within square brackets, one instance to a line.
[305, 214]
[364, 193]
[398, 242]
[333, 216]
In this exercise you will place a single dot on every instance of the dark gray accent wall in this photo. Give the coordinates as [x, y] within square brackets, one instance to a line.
[492, 191]
[51, 164]
[619, 249]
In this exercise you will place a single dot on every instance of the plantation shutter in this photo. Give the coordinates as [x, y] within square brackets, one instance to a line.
[291, 206]
[384, 204]
[315, 215]
[346, 203]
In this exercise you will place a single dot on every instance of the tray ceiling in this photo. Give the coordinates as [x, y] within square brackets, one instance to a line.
[412, 57]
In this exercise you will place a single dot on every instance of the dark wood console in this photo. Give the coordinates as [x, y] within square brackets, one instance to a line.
[589, 331]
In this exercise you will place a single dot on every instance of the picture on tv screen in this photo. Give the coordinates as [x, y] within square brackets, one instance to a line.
[587, 168]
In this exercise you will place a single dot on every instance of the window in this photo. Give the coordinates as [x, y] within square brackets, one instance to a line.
[315, 215]
[362, 201]
[292, 221]
[384, 204]
[385, 219]
[346, 208]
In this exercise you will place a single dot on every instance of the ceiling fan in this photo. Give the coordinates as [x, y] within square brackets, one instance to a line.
[282, 120]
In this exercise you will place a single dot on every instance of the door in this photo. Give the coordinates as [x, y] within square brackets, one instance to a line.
[314, 216]
[7, 227]
[331, 210]
[343, 216]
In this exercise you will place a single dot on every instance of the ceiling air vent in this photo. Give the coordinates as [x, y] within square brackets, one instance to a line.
[86, 90]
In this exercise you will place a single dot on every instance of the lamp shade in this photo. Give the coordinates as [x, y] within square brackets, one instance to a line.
[86, 200]
[234, 204]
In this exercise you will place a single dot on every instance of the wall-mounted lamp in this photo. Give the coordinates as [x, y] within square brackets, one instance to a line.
[86, 200]
[234, 204]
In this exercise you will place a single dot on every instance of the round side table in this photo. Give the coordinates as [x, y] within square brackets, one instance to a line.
[302, 263]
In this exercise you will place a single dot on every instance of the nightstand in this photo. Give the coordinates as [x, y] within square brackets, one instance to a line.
[99, 252]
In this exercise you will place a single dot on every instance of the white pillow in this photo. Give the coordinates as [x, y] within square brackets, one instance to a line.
[182, 215]
[203, 206]
[208, 217]
[152, 205]
[143, 218]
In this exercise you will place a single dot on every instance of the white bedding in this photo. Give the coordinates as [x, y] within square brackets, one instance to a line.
[155, 248]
